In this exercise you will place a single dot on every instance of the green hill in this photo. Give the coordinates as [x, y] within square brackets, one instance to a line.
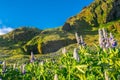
[100, 13]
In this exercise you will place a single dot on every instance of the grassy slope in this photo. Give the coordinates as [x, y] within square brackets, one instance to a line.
[93, 15]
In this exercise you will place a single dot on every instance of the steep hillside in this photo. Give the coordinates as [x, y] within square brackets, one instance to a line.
[101, 13]
[49, 41]
[97, 13]
[12, 42]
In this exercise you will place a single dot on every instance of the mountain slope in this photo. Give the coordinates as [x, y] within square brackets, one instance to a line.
[13, 41]
[101, 13]
[97, 13]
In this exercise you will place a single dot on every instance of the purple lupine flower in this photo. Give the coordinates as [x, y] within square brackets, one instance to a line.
[64, 50]
[111, 36]
[14, 66]
[32, 58]
[107, 44]
[101, 38]
[41, 63]
[106, 76]
[22, 67]
[77, 38]
[4, 67]
[76, 55]
[82, 41]
[104, 33]
[55, 77]
[114, 43]
[0, 78]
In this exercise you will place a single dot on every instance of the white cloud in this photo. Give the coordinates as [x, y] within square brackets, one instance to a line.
[5, 30]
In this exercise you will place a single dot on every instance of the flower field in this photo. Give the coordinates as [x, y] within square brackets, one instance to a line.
[84, 63]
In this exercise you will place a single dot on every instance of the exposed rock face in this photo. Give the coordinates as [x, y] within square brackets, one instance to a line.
[115, 11]
[48, 47]
[53, 46]
[66, 27]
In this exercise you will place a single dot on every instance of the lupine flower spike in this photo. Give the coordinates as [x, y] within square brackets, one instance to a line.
[4, 67]
[75, 55]
[32, 58]
[41, 63]
[64, 50]
[104, 33]
[104, 41]
[82, 42]
[23, 68]
[14, 66]
[106, 76]
[100, 38]
[77, 38]
[111, 36]
[55, 77]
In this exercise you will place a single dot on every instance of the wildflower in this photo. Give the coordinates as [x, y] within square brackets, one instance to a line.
[22, 68]
[41, 63]
[0, 78]
[114, 43]
[32, 57]
[106, 76]
[4, 67]
[14, 66]
[101, 38]
[111, 36]
[104, 33]
[75, 55]
[104, 41]
[55, 77]
[64, 50]
[82, 42]
[107, 44]
[77, 38]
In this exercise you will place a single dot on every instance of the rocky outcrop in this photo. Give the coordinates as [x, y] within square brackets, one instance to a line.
[53, 46]
[115, 11]
[48, 47]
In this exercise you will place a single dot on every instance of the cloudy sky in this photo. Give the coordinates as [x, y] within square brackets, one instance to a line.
[38, 13]
[4, 29]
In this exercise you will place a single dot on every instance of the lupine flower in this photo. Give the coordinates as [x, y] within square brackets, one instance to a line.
[0, 78]
[82, 42]
[64, 50]
[101, 38]
[75, 55]
[106, 76]
[104, 41]
[55, 77]
[104, 33]
[41, 63]
[14, 66]
[32, 58]
[22, 67]
[4, 67]
[114, 43]
[107, 44]
[111, 36]
[77, 38]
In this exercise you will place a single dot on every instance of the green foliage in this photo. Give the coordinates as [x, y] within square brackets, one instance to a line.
[93, 65]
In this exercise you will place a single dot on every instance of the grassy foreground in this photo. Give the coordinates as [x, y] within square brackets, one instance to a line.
[82, 64]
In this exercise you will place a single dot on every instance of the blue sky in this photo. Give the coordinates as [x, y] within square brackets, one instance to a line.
[42, 14]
